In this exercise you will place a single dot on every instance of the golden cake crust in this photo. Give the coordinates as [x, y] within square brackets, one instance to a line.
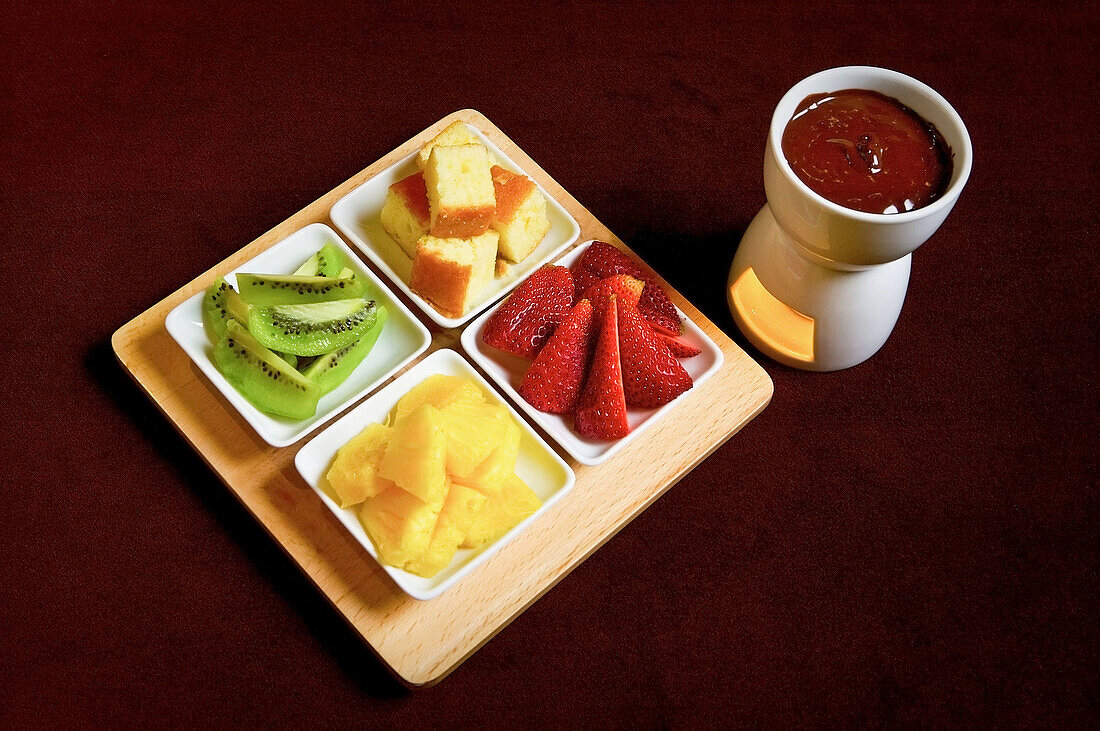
[520, 217]
[463, 223]
[405, 215]
[460, 191]
[511, 190]
[450, 272]
[442, 282]
[414, 193]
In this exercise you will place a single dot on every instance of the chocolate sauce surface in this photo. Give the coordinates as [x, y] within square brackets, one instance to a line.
[867, 151]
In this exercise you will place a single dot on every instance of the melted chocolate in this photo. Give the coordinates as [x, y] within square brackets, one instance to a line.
[867, 151]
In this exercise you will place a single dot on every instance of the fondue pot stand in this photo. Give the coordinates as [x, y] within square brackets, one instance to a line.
[818, 286]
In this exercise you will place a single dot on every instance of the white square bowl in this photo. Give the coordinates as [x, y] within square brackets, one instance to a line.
[507, 372]
[402, 338]
[357, 216]
[538, 465]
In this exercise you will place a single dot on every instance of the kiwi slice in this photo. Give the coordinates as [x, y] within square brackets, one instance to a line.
[221, 304]
[325, 263]
[262, 377]
[330, 261]
[312, 329]
[331, 369]
[290, 358]
[310, 268]
[264, 290]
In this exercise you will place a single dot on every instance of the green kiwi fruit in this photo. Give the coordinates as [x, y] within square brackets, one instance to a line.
[325, 263]
[331, 369]
[290, 358]
[262, 377]
[311, 267]
[221, 304]
[312, 329]
[264, 290]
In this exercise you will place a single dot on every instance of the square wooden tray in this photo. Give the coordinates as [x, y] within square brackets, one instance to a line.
[421, 642]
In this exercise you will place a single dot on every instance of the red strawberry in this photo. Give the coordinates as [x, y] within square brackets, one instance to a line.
[553, 382]
[601, 412]
[661, 329]
[602, 260]
[625, 287]
[523, 323]
[656, 307]
[651, 376]
[678, 347]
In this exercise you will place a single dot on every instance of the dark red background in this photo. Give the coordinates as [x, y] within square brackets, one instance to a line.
[912, 540]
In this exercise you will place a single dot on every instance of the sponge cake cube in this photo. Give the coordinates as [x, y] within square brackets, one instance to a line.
[461, 196]
[456, 133]
[405, 215]
[520, 217]
[452, 272]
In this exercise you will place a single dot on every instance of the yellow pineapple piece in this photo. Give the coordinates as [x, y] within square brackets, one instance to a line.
[354, 473]
[439, 391]
[416, 457]
[473, 432]
[458, 514]
[503, 511]
[400, 524]
[490, 475]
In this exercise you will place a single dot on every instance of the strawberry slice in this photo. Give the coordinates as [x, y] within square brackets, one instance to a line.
[677, 346]
[625, 287]
[656, 307]
[601, 411]
[661, 329]
[523, 323]
[553, 382]
[603, 260]
[651, 375]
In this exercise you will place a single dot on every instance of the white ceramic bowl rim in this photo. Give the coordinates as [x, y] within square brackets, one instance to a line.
[963, 151]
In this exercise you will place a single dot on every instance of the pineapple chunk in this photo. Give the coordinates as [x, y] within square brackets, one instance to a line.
[459, 510]
[400, 524]
[354, 473]
[505, 509]
[442, 476]
[473, 432]
[416, 458]
[491, 474]
[439, 391]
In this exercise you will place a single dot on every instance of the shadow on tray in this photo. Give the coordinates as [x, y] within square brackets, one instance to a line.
[325, 623]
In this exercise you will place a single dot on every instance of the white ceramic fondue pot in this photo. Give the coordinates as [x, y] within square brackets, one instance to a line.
[819, 286]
